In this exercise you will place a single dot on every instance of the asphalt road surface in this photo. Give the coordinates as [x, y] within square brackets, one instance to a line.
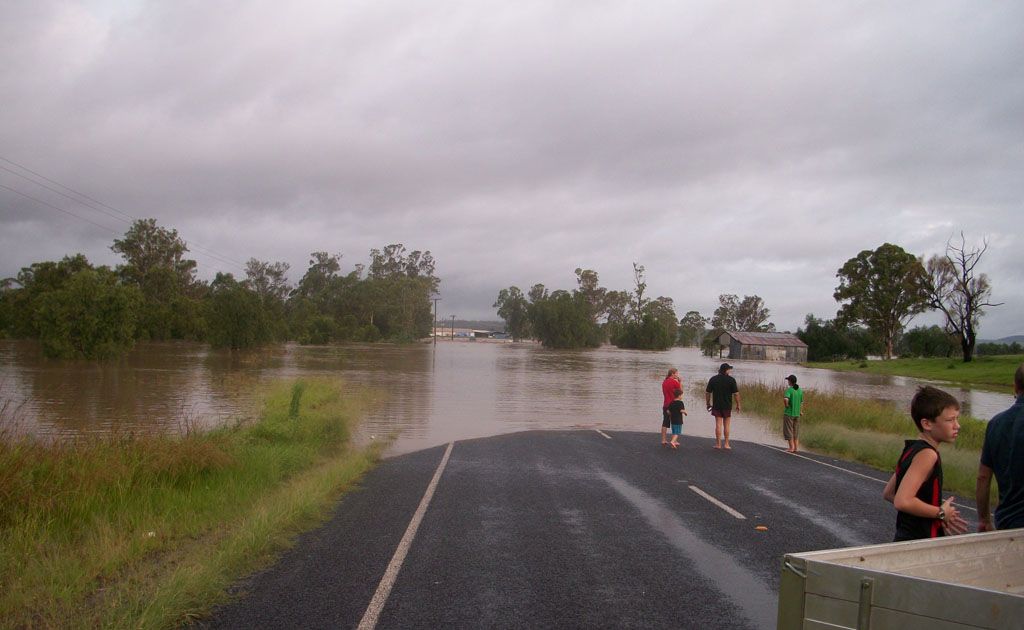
[566, 529]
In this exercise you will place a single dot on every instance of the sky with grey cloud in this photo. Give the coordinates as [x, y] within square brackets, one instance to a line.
[738, 147]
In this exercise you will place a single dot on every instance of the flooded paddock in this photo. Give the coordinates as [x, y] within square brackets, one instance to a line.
[434, 394]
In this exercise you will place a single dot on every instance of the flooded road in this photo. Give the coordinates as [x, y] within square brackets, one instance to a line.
[434, 394]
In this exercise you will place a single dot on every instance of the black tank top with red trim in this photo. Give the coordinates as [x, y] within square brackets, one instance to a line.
[909, 526]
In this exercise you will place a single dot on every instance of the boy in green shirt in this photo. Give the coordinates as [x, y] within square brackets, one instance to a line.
[794, 398]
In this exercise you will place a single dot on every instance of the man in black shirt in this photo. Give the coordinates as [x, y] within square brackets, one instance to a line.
[1002, 455]
[718, 397]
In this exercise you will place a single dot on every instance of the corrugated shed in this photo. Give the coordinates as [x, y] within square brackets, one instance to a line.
[767, 339]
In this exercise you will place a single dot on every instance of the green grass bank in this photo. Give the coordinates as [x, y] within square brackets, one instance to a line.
[988, 372]
[148, 532]
[868, 431]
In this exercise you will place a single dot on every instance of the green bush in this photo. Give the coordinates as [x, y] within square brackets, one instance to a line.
[91, 317]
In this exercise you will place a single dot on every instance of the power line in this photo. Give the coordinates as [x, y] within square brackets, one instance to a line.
[90, 221]
[44, 177]
[113, 216]
[123, 216]
[50, 205]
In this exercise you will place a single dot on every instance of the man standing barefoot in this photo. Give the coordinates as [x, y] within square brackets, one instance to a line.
[718, 396]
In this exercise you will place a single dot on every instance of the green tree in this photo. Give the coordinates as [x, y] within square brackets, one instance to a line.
[33, 282]
[746, 315]
[829, 340]
[90, 316]
[408, 282]
[235, 315]
[960, 292]
[656, 330]
[7, 293]
[882, 289]
[156, 262]
[588, 284]
[926, 341]
[639, 305]
[992, 348]
[709, 346]
[692, 329]
[269, 281]
[147, 246]
[565, 320]
[617, 312]
[309, 307]
[513, 307]
[316, 283]
[652, 324]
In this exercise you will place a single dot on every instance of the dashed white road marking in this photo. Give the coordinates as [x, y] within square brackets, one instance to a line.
[380, 597]
[852, 472]
[603, 433]
[718, 503]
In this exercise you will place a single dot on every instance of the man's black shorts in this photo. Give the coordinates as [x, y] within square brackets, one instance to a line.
[665, 418]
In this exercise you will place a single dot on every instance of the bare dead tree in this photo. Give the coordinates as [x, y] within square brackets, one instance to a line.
[962, 294]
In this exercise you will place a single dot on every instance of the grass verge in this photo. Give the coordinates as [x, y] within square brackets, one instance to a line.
[988, 372]
[148, 532]
[869, 431]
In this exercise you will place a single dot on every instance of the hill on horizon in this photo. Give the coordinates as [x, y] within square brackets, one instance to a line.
[1006, 340]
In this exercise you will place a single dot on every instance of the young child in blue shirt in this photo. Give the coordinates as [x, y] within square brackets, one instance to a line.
[676, 411]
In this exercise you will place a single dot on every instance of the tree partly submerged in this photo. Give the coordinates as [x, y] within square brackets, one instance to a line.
[79, 311]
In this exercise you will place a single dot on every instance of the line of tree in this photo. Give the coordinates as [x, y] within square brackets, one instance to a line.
[883, 289]
[835, 340]
[590, 315]
[78, 310]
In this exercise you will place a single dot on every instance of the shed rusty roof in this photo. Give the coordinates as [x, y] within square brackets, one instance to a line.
[767, 339]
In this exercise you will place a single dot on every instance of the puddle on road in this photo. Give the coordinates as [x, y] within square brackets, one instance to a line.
[758, 603]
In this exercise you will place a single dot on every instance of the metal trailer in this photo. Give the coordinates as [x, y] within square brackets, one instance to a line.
[970, 581]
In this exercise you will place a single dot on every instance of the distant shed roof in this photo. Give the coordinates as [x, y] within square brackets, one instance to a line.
[767, 339]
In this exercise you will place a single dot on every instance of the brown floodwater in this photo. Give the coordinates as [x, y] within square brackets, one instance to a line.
[434, 394]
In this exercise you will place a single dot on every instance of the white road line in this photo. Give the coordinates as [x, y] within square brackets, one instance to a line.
[718, 503]
[603, 433]
[380, 597]
[852, 472]
[811, 459]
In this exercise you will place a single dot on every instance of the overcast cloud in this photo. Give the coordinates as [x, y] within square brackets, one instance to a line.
[746, 148]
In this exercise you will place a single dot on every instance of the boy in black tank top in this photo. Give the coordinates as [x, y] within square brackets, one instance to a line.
[916, 486]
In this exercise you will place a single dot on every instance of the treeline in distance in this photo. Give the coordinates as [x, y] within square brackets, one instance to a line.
[78, 310]
[589, 315]
[879, 292]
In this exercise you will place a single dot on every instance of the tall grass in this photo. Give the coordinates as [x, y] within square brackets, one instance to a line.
[148, 531]
[869, 431]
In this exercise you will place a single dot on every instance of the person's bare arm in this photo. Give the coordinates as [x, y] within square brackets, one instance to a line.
[707, 399]
[981, 494]
[737, 397]
[889, 493]
[905, 498]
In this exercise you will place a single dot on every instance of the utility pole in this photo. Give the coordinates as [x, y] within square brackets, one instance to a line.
[453, 328]
[436, 300]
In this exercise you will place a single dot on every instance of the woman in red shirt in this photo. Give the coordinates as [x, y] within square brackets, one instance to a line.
[671, 383]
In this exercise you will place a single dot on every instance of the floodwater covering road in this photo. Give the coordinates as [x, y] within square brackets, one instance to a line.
[434, 394]
[584, 528]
